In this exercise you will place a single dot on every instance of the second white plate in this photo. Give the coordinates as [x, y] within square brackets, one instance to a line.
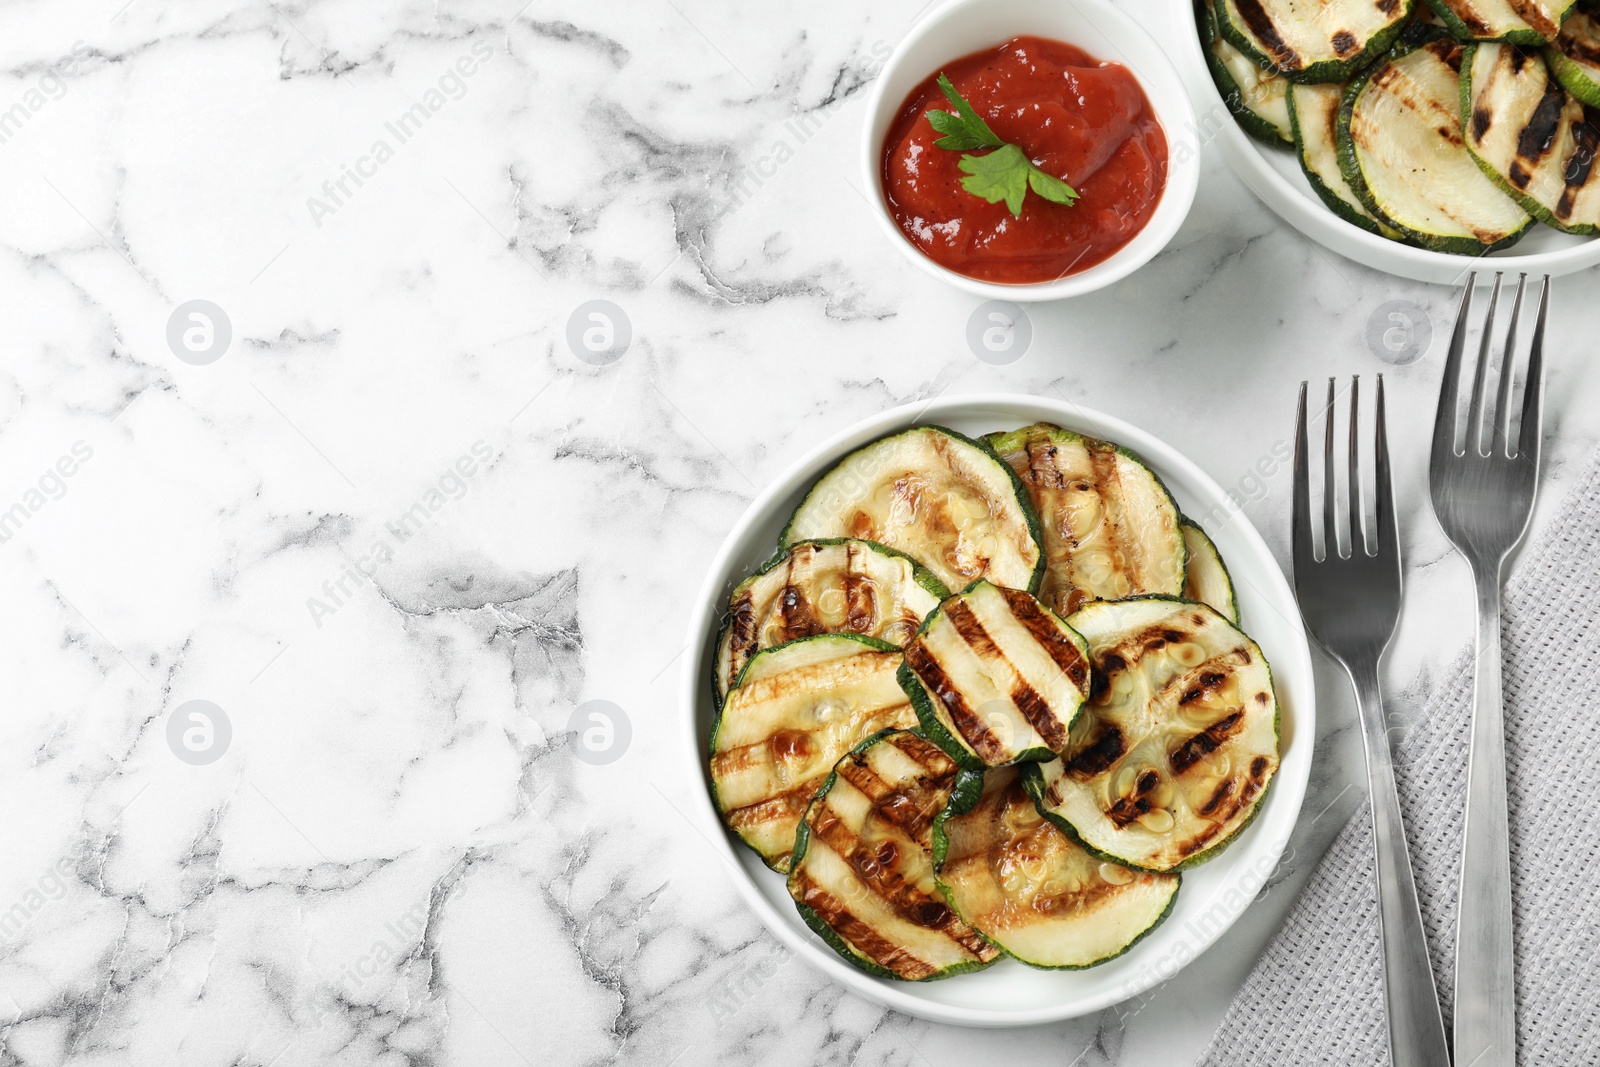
[1274, 175]
[1213, 896]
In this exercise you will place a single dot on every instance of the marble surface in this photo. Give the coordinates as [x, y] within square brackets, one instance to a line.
[396, 532]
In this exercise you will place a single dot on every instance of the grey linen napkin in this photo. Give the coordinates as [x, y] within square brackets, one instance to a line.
[1316, 997]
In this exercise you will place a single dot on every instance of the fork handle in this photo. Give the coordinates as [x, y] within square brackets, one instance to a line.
[1416, 1027]
[1485, 1016]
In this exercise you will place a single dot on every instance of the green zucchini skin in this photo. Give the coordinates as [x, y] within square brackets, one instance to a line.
[1522, 35]
[1574, 56]
[1211, 556]
[966, 788]
[923, 577]
[1331, 70]
[1033, 776]
[1330, 198]
[1024, 503]
[1253, 123]
[930, 726]
[1531, 204]
[1350, 167]
[873, 643]
[962, 802]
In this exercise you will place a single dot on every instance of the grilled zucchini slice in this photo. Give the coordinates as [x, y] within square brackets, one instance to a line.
[1309, 41]
[1401, 149]
[1574, 57]
[1257, 97]
[796, 710]
[1208, 580]
[1110, 528]
[1176, 748]
[1534, 139]
[1314, 117]
[1529, 22]
[996, 677]
[863, 863]
[1030, 890]
[825, 587]
[940, 497]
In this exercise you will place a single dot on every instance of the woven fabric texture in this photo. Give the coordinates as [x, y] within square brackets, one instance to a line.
[1316, 995]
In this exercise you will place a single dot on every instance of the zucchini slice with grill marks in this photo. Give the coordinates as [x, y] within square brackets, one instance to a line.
[863, 862]
[1533, 138]
[940, 497]
[1312, 41]
[1314, 116]
[996, 677]
[1529, 22]
[1256, 97]
[1031, 890]
[1574, 57]
[796, 709]
[1208, 580]
[825, 587]
[1402, 150]
[1110, 528]
[1176, 748]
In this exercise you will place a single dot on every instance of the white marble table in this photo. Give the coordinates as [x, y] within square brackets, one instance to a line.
[397, 532]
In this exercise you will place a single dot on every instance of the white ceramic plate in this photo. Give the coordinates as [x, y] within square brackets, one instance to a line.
[1212, 896]
[1274, 175]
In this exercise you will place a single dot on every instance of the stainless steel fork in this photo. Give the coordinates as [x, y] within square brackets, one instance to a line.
[1483, 490]
[1351, 603]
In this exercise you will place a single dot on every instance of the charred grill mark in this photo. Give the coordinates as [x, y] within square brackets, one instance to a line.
[1260, 24]
[1223, 791]
[966, 622]
[1539, 135]
[925, 753]
[859, 934]
[1129, 808]
[1206, 741]
[1389, 7]
[1107, 483]
[860, 602]
[1204, 686]
[1538, 18]
[1040, 716]
[798, 618]
[1061, 650]
[912, 810]
[971, 728]
[882, 867]
[1258, 767]
[1580, 41]
[1580, 166]
[1345, 44]
[1098, 756]
[1482, 119]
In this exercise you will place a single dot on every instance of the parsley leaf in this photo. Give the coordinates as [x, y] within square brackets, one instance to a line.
[1004, 174]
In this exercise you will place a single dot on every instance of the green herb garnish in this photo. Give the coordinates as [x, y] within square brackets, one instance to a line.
[1004, 174]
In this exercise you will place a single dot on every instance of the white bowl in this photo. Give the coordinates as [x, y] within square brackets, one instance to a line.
[962, 27]
[1212, 895]
[1274, 175]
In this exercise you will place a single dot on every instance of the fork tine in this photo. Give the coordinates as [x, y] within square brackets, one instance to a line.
[1501, 423]
[1300, 528]
[1385, 524]
[1330, 506]
[1358, 529]
[1444, 423]
[1475, 414]
[1532, 431]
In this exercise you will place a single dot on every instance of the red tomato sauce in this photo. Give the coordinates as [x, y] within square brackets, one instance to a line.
[1082, 120]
